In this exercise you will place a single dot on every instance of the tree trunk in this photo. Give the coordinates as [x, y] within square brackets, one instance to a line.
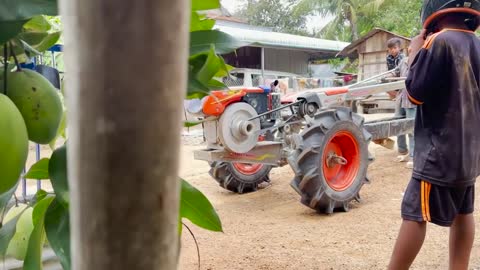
[354, 29]
[126, 79]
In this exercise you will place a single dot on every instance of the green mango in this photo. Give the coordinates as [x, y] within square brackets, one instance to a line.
[18, 245]
[13, 144]
[38, 101]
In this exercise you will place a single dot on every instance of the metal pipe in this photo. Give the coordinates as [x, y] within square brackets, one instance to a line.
[54, 64]
[373, 78]
[37, 154]
[368, 90]
[24, 185]
[274, 110]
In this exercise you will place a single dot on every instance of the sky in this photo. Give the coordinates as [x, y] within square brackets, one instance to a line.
[313, 22]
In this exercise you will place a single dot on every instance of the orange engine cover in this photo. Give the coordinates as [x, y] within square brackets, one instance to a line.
[217, 101]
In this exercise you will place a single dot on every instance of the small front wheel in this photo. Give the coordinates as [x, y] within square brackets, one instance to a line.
[240, 177]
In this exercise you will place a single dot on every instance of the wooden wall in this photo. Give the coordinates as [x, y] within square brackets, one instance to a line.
[372, 54]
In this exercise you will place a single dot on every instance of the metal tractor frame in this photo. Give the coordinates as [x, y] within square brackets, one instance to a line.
[324, 143]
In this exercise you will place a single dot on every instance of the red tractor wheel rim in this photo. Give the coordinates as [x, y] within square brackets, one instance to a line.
[344, 146]
[247, 168]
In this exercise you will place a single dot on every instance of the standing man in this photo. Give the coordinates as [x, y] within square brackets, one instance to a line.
[404, 107]
[396, 59]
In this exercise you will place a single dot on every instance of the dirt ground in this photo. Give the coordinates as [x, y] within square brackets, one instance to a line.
[270, 229]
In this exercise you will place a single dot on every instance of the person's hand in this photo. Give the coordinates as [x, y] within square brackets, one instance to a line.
[392, 94]
[416, 45]
[418, 41]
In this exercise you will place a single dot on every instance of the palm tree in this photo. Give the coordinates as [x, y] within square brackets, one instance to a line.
[349, 16]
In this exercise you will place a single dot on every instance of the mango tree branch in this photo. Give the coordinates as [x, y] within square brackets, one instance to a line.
[14, 57]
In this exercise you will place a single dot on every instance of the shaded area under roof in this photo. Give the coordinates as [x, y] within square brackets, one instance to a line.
[281, 40]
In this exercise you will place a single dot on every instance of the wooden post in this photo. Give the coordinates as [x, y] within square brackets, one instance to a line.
[126, 66]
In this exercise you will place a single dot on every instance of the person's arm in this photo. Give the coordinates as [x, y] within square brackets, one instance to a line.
[426, 71]
[415, 46]
[398, 62]
[404, 67]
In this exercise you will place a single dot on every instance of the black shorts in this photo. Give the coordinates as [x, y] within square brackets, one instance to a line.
[440, 205]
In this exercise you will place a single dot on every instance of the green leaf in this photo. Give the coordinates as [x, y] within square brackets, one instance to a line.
[16, 10]
[39, 170]
[29, 50]
[197, 61]
[60, 131]
[40, 41]
[191, 124]
[201, 41]
[33, 258]
[38, 23]
[196, 89]
[29, 43]
[14, 14]
[224, 70]
[48, 42]
[216, 85]
[10, 30]
[205, 4]
[180, 225]
[197, 95]
[33, 38]
[200, 22]
[40, 195]
[211, 66]
[57, 170]
[5, 198]
[57, 227]
[7, 232]
[22, 50]
[198, 209]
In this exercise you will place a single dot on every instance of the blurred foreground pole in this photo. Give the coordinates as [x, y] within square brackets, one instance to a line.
[126, 79]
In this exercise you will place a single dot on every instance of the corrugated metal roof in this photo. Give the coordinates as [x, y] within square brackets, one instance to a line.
[281, 40]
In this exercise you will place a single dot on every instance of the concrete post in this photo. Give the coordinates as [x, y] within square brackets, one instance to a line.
[262, 55]
[126, 71]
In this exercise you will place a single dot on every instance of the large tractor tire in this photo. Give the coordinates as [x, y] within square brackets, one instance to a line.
[330, 160]
[240, 177]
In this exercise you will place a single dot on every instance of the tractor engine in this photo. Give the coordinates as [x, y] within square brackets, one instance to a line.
[233, 109]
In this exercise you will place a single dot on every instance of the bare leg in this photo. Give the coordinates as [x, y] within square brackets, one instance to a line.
[409, 242]
[462, 234]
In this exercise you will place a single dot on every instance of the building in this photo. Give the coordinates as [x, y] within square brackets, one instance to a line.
[269, 50]
[371, 51]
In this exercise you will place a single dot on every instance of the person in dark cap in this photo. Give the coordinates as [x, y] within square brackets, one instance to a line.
[444, 82]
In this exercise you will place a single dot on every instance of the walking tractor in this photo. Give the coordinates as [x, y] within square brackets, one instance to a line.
[249, 131]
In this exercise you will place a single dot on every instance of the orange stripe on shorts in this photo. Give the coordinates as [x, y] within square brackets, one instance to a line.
[428, 187]
[422, 199]
[425, 189]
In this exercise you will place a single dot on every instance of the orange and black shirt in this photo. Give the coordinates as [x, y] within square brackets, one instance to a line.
[444, 80]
